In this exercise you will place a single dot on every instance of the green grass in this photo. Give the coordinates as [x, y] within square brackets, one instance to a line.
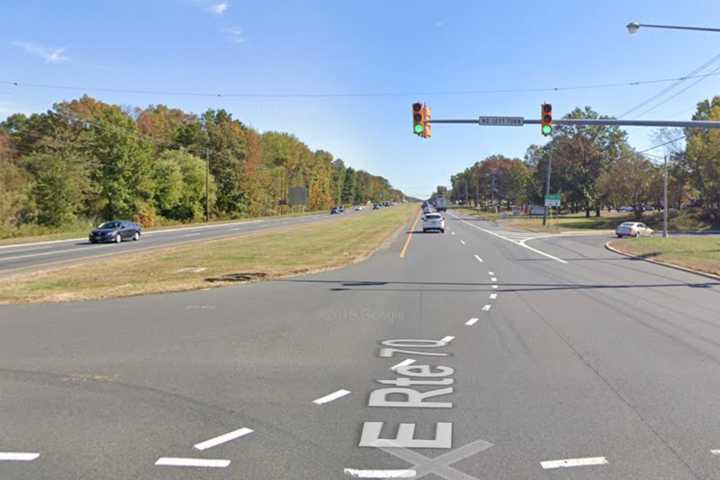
[266, 254]
[696, 252]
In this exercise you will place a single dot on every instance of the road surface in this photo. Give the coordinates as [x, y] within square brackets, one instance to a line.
[32, 255]
[503, 358]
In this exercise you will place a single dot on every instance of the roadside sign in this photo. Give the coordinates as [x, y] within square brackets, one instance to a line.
[501, 121]
[297, 196]
[552, 200]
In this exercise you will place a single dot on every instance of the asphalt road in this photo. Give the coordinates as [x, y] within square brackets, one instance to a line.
[543, 358]
[32, 255]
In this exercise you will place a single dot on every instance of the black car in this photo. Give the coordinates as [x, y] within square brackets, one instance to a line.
[116, 231]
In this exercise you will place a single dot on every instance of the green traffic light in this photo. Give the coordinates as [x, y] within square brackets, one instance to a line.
[419, 129]
[547, 130]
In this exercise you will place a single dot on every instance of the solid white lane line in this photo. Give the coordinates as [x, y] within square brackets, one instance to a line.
[191, 234]
[477, 257]
[493, 296]
[493, 279]
[191, 462]
[492, 274]
[462, 241]
[18, 456]
[447, 339]
[213, 442]
[516, 242]
[404, 363]
[472, 322]
[380, 473]
[573, 462]
[494, 286]
[331, 397]
[486, 308]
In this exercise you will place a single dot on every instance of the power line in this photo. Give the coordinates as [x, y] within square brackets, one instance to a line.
[676, 94]
[663, 144]
[676, 80]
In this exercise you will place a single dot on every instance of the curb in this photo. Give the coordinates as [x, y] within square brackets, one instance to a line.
[662, 264]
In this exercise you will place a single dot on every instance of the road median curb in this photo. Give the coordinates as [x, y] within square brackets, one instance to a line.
[663, 264]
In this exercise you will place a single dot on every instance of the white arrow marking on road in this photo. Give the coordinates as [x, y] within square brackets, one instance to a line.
[486, 308]
[492, 274]
[493, 279]
[462, 241]
[493, 296]
[477, 257]
[495, 286]
[404, 363]
[715, 452]
[18, 456]
[213, 442]
[331, 397]
[380, 473]
[447, 339]
[573, 462]
[191, 462]
[472, 322]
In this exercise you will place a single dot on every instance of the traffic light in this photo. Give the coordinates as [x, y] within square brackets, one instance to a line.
[546, 127]
[421, 119]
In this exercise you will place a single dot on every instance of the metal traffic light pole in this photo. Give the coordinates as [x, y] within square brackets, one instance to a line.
[591, 121]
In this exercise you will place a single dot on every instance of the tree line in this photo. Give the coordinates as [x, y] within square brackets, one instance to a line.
[594, 167]
[92, 160]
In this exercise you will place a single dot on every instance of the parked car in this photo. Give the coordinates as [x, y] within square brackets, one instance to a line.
[433, 222]
[633, 229]
[116, 231]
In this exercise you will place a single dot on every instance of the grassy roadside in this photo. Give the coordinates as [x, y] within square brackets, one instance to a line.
[686, 221]
[563, 223]
[697, 253]
[283, 251]
[82, 229]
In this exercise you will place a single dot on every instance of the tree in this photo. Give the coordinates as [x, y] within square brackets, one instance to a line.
[56, 191]
[632, 180]
[348, 190]
[703, 157]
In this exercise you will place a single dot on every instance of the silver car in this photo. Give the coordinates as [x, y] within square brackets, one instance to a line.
[633, 229]
[433, 222]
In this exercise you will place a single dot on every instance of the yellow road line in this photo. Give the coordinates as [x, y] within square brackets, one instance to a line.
[409, 237]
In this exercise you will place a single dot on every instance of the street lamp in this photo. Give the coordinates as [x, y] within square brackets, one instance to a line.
[633, 27]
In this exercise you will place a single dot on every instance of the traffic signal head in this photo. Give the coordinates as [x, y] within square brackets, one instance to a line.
[546, 127]
[421, 117]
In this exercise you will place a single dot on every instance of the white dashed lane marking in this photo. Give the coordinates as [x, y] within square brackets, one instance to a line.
[447, 339]
[477, 257]
[495, 286]
[18, 456]
[191, 462]
[493, 279]
[331, 397]
[573, 462]
[380, 473]
[462, 241]
[472, 322]
[404, 363]
[492, 274]
[486, 308]
[213, 442]
[493, 296]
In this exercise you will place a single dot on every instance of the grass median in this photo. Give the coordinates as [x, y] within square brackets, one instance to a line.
[556, 224]
[203, 264]
[695, 252]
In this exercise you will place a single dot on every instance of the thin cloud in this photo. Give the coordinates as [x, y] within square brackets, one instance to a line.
[219, 8]
[49, 54]
[235, 35]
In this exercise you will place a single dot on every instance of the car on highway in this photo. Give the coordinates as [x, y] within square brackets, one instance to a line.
[376, 207]
[633, 229]
[336, 211]
[358, 208]
[433, 222]
[116, 231]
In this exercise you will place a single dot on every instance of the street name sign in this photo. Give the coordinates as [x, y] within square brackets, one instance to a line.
[501, 121]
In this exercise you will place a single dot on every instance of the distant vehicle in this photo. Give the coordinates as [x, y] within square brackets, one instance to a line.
[116, 231]
[358, 208]
[336, 211]
[441, 204]
[633, 229]
[537, 210]
[433, 222]
[376, 207]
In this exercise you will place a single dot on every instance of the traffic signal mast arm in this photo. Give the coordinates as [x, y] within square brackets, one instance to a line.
[592, 121]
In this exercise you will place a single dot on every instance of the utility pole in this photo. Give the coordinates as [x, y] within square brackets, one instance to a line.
[207, 185]
[665, 200]
[547, 189]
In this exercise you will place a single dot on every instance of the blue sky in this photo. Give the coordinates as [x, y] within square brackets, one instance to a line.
[374, 46]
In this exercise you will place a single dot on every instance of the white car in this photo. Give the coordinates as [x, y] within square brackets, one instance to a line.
[358, 208]
[633, 229]
[433, 222]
